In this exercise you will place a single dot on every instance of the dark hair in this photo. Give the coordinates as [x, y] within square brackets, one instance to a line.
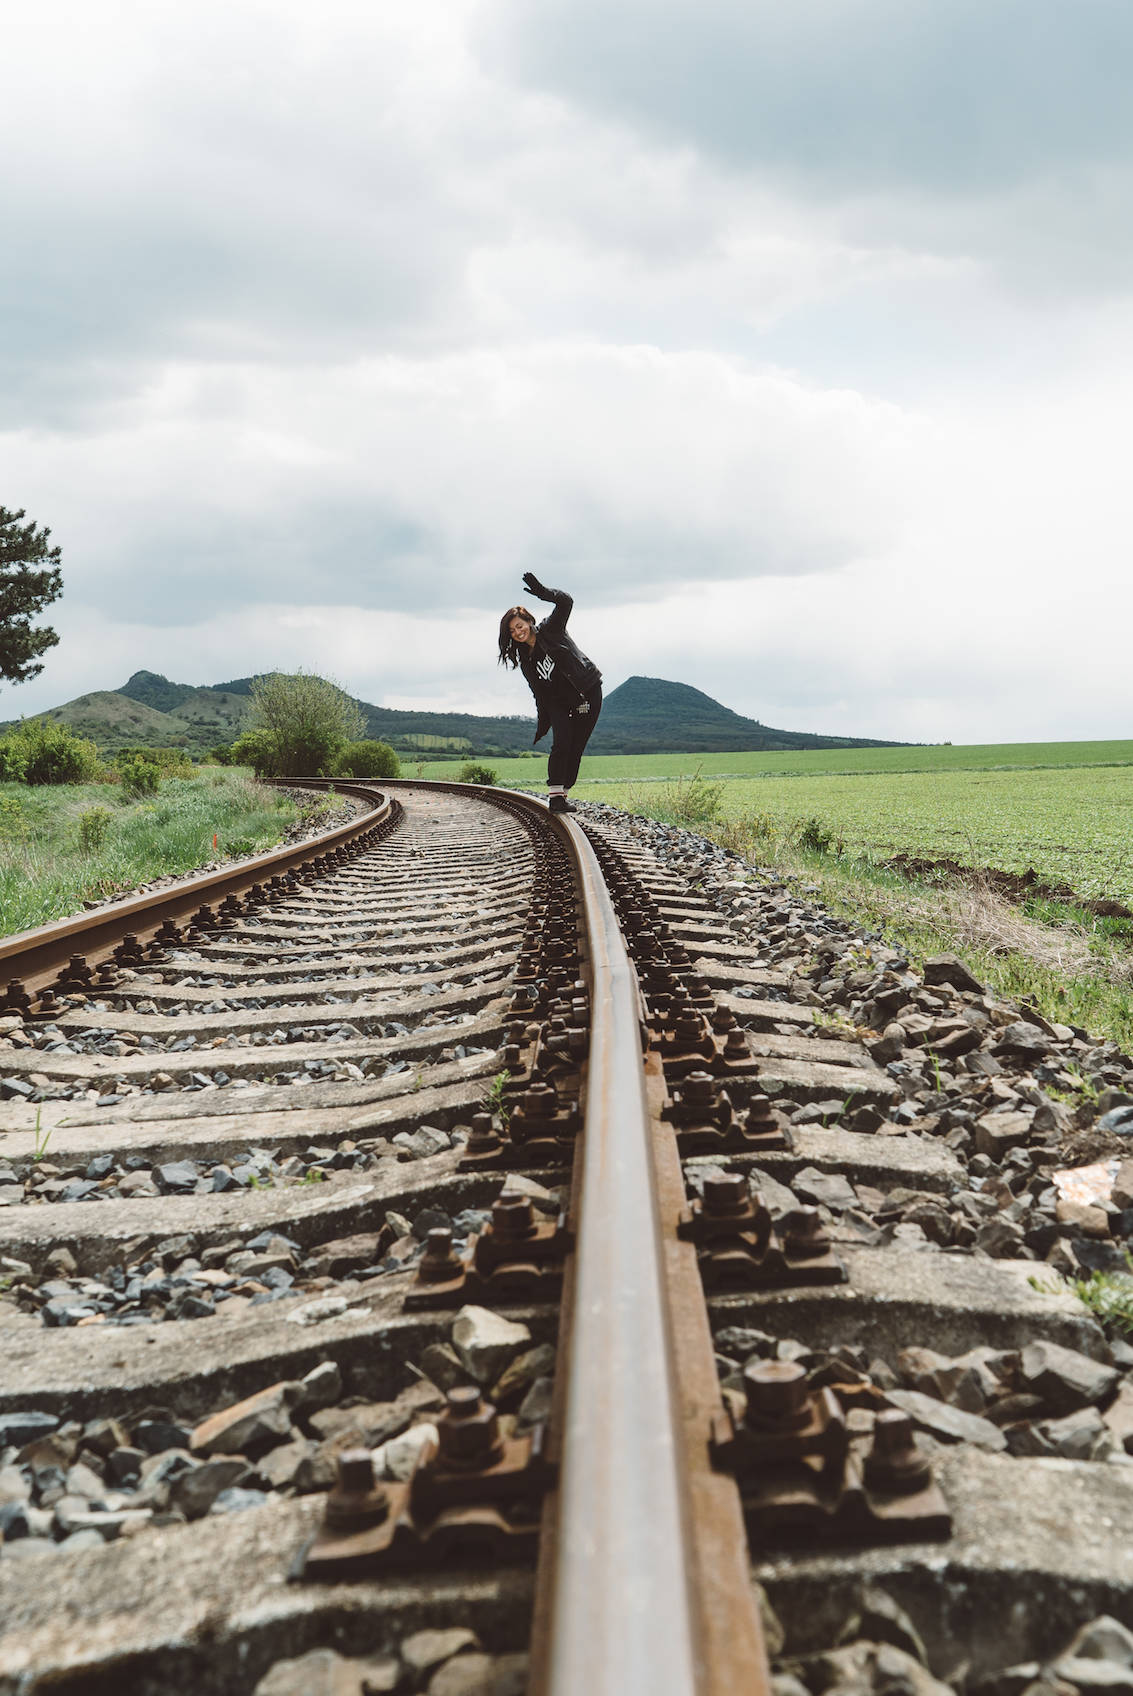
[509, 649]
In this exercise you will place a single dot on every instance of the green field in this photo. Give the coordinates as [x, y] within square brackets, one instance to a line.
[850, 762]
[1063, 808]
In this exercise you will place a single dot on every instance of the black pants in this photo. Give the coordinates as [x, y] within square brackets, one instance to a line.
[570, 732]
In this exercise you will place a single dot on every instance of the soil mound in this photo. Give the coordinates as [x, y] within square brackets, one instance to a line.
[1012, 886]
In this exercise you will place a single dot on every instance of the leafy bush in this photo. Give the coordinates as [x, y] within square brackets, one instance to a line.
[139, 778]
[367, 759]
[170, 762]
[472, 773]
[302, 724]
[254, 749]
[13, 760]
[40, 751]
[94, 822]
[815, 836]
[221, 755]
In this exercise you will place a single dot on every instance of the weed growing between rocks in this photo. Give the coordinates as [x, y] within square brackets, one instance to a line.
[1110, 1296]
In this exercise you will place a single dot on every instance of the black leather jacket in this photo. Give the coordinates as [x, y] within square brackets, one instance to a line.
[571, 664]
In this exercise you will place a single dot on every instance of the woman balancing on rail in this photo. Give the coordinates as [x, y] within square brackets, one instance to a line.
[566, 685]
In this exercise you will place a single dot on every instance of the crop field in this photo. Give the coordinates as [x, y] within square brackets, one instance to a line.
[1063, 808]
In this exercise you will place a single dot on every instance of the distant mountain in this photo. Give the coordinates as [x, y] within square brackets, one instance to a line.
[151, 712]
[649, 715]
[153, 690]
[644, 715]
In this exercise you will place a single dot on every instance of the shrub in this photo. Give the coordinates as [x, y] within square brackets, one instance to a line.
[815, 836]
[139, 778]
[472, 773]
[94, 822]
[13, 759]
[367, 759]
[221, 755]
[38, 750]
[303, 723]
[255, 749]
[170, 762]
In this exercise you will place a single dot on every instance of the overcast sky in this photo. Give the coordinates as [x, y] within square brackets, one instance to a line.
[794, 340]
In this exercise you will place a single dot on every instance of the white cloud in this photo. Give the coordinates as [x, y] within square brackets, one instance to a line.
[397, 482]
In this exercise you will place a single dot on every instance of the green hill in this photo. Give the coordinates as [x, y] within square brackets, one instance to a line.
[156, 691]
[644, 715]
[649, 715]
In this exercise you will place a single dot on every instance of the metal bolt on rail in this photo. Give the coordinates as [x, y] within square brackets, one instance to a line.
[516, 1258]
[802, 1476]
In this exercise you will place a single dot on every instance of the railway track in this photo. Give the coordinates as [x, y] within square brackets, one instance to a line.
[480, 1252]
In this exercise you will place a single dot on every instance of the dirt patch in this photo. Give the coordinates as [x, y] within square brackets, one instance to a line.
[1012, 886]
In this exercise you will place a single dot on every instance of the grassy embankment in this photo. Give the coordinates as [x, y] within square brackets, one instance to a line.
[837, 815]
[63, 845]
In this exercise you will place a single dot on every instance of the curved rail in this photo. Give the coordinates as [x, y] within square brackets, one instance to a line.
[644, 1582]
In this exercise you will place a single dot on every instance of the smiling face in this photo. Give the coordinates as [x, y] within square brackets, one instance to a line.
[521, 631]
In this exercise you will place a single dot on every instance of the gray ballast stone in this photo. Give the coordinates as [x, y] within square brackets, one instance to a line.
[1081, 1435]
[427, 1649]
[947, 968]
[257, 1423]
[1103, 1639]
[827, 1189]
[1090, 1677]
[1064, 1378]
[946, 1423]
[196, 1489]
[324, 1672]
[177, 1177]
[486, 1342]
[16, 1429]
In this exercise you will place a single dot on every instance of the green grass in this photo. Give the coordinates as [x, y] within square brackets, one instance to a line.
[850, 762]
[1063, 808]
[46, 874]
[835, 816]
[1110, 1296]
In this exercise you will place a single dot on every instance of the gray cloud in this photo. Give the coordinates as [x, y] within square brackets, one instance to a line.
[949, 95]
[214, 191]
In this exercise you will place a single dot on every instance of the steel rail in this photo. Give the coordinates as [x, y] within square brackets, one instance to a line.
[34, 957]
[644, 1579]
[621, 1609]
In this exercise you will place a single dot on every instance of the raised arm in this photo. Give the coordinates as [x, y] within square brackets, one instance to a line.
[563, 601]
